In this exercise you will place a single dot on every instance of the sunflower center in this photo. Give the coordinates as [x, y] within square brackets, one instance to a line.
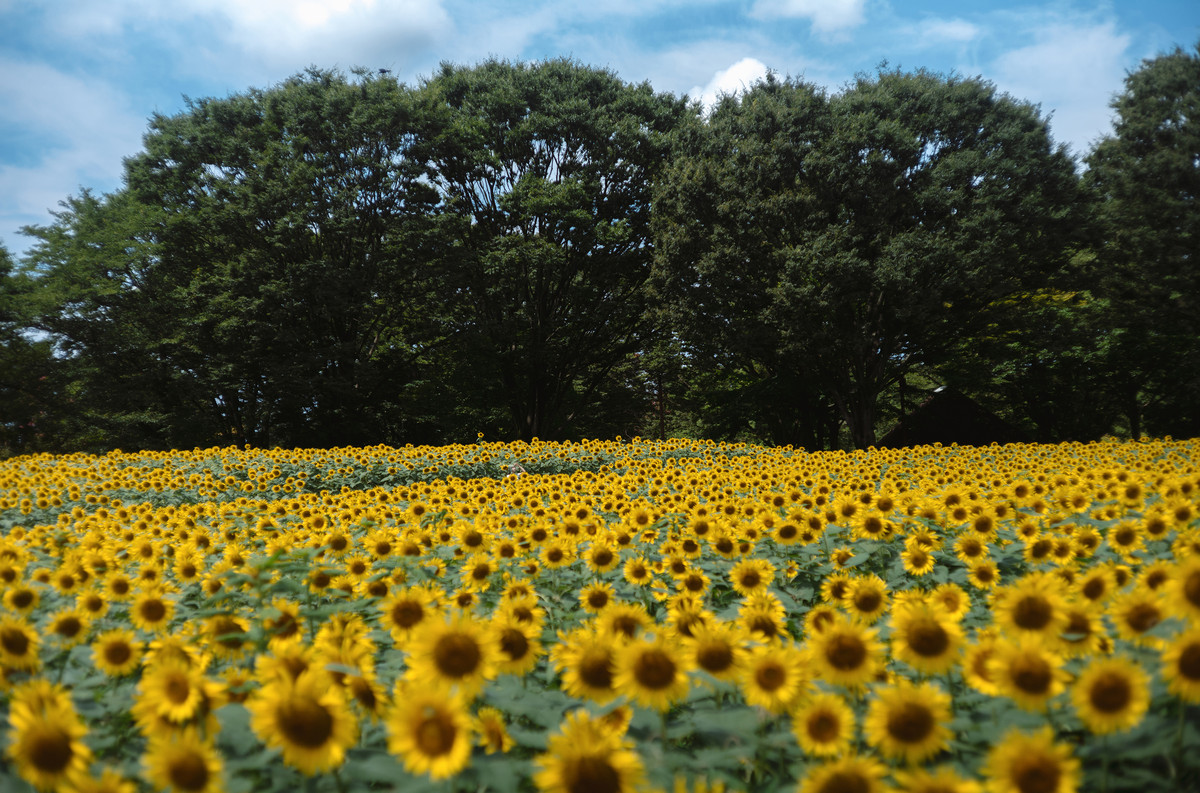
[724, 545]
[655, 669]
[597, 598]
[22, 598]
[788, 532]
[177, 689]
[189, 772]
[592, 774]
[910, 723]
[230, 630]
[626, 625]
[1032, 675]
[1033, 613]
[751, 579]
[50, 750]
[1189, 662]
[715, 658]
[1110, 693]
[514, 644]
[602, 557]
[435, 734]
[867, 602]
[305, 722]
[407, 613]
[770, 677]
[928, 638]
[1094, 588]
[846, 782]
[153, 610]
[1143, 617]
[1036, 774]
[596, 671]
[117, 653]
[846, 653]
[457, 655]
[823, 727]
[1191, 588]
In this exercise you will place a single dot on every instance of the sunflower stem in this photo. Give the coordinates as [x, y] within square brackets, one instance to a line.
[337, 780]
[1104, 765]
[663, 729]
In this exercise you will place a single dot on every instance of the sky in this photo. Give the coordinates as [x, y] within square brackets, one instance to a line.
[79, 79]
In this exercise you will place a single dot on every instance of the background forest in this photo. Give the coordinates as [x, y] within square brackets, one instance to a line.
[544, 250]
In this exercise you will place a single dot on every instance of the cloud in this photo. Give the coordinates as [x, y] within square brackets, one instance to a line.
[82, 127]
[738, 77]
[1072, 71]
[946, 31]
[827, 16]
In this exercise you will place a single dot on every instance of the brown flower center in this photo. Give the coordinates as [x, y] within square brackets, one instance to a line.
[1033, 613]
[846, 653]
[50, 750]
[305, 722]
[1110, 693]
[654, 669]
[457, 655]
[910, 723]
[189, 772]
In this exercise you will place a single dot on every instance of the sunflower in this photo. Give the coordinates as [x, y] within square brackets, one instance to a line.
[151, 610]
[941, 780]
[823, 725]
[492, 731]
[1031, 763]
[1111, 695]
[18, 644]
[172, 691]
[624, 620]
[1135, 612]
[227, 636]
[847, 654]
[775, 676]
[1181, 665]
[117, 653]
[637, 571]
[585, 755]
[21, 599]
[867, 598]
[926, 639]
[953, 598]
[1183, 590]
[601, 557]
[984, 574]
[847, 773]
[751, 575]
[457, 650]
[1033, 606]
[46, 743]
[835, 586]
[586, 660]
[109, 781]
[519, 644]
[405, 610]
[652, 671]
[288, 658]
[819, 617]
[430, 730]
[917, 560]
[181, 761]
[1027, 672]
[718, 649]
[1096, 585]
[308, 719]
[908, 721]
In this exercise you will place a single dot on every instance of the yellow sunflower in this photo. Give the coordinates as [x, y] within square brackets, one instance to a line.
[907, 721]
[847, 773]
[718, 648]
[108, 781]
[117, 653]
[847, 654]
[18, 644]
[941, 780]
[596, 596]
[21, 599]
[1181, 665]
[1035, 605]
[587, 662]
[173, 692]
[823, 724]
[1111, 695]
[1031, 763]
[867, 598]
[1183, 590]
[926, 639]
[652, 672]
[430, 730]
[623, 620]
[405, 610]
[308, 719]
[46, 744]
[519, 645]
[151, 610]
[1027, 672]
[774, 676]
[751, 575]
[491, 730]
[587, 756]
[457, 650]
[180, 761]
[1135, 612]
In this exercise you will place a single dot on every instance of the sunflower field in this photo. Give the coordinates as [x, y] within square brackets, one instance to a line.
[602, 617]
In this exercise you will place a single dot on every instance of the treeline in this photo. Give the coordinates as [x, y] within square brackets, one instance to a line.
[544, 250]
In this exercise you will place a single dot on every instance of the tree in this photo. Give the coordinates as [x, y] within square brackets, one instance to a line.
[545, 173]
[912, 201]
[1146, 178]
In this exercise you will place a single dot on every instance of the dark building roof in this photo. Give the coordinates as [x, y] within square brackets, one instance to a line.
[949, 416]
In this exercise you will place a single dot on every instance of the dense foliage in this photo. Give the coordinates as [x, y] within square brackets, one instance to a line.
[602, 616]
[543, 250]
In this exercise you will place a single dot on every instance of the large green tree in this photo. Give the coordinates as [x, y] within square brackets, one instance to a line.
[545, 173]
[911, 201]
[1146, 178]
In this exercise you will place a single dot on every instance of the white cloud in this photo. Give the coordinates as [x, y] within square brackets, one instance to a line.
[827, 16]
[1073, 72]
[738, 77]
[940, 31]
[84, 127]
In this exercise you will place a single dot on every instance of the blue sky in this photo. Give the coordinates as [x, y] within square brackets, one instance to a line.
[80, 78]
